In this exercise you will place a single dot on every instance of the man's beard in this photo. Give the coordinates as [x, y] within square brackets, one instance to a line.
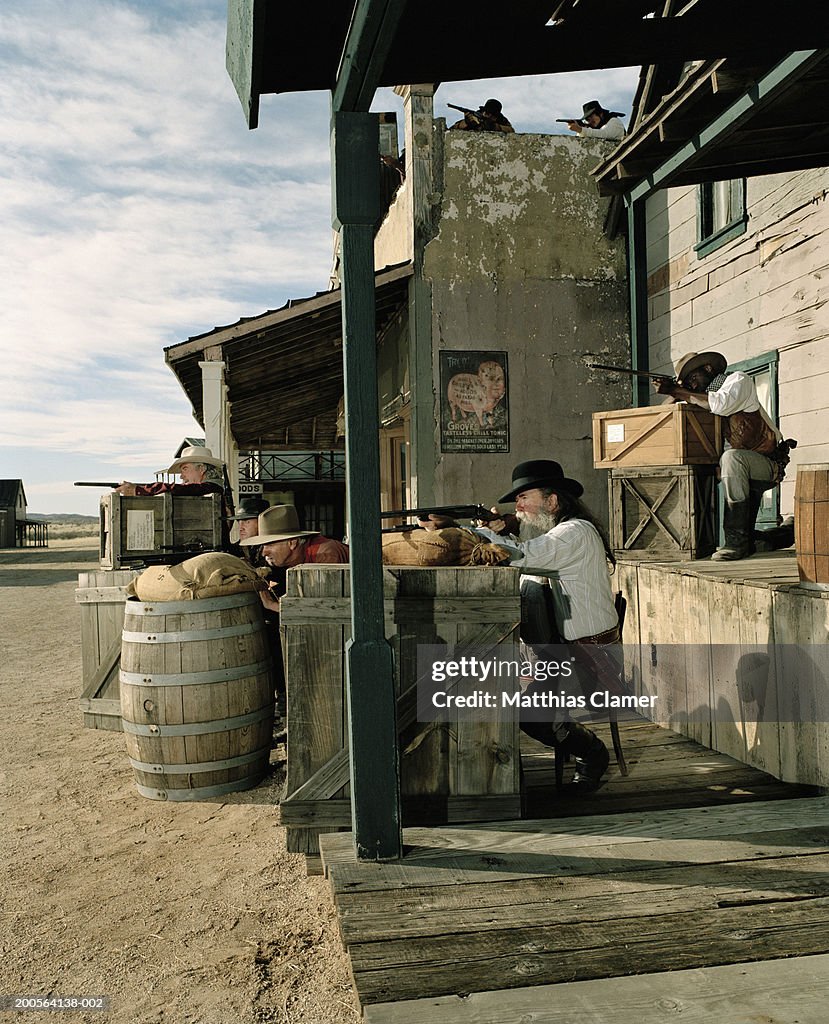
[535, 525]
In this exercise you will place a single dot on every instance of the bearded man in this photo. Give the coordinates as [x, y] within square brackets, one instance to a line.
[560, 540]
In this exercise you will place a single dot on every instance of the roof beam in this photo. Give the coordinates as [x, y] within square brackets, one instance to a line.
[370, 35]
[730, 120]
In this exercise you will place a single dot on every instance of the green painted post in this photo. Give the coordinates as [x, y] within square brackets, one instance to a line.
[638, 282]
[372, 725]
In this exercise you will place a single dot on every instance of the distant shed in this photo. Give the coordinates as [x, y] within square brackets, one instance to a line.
[15, 529]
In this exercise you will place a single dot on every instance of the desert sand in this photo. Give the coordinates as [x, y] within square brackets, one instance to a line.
[178, 913]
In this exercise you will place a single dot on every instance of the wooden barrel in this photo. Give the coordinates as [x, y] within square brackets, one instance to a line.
[197, 697]
[811, 522]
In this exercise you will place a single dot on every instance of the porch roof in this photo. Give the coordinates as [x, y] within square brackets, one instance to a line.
[283, 368]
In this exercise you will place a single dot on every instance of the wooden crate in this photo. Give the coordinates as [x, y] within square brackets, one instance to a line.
[666, 514]
[656, 435]
[134, 528]
[456, 771]
[101, 596]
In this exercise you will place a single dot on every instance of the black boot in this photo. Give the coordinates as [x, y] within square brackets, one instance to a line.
[739, 532]
[590, 755]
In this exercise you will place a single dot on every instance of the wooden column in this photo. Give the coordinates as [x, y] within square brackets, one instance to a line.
[418, 118]
[638, 281]
[373, 750]
[216, 409]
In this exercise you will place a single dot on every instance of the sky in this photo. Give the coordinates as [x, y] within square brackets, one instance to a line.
[137, 210]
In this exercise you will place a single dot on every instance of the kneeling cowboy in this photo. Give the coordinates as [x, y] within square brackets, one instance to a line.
[755, 455]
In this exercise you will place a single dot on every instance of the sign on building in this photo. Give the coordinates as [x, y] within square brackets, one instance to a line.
[474, 405]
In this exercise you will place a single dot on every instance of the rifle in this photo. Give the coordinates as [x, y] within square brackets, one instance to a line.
[95, 483]
[572, 120]
[459, 511]
[476, 116]
[633, 373]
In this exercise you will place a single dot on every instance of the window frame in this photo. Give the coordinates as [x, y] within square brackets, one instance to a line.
[714, 239]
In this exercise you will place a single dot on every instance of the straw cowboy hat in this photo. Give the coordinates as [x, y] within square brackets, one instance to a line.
[694, 360]
[279, 522]
[249, 508]
[194, 454]
[541, 473]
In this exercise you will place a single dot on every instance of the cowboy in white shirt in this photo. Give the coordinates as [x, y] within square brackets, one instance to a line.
[560, 540]
[746, 468]
[601, 123]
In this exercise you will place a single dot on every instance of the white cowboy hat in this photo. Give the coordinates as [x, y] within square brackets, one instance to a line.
[279, 522]
[193, 454]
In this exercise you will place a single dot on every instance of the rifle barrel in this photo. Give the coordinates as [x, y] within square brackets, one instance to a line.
[470, 511]
[95, 483]
[627, 369]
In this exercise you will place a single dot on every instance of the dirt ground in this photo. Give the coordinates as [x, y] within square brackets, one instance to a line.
[180, 912]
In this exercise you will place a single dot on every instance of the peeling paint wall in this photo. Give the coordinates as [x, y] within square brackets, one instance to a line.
[519, 263]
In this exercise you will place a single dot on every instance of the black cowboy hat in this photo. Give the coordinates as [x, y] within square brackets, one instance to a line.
[541, 473]
[249, 508]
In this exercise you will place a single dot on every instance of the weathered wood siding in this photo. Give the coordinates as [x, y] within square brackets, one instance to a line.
[765, 290]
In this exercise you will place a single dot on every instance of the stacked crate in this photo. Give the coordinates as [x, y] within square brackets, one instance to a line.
[662, 485]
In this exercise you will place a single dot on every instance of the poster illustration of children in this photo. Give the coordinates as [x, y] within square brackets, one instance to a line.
[474, 405]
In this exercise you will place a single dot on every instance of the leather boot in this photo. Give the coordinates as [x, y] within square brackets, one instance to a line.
[739, 532]
[590, 755]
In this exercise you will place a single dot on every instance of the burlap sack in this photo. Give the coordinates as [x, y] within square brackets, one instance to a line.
[212, 574]
[452, 546]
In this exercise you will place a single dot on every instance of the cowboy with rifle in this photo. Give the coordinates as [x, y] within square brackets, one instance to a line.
[487, 118]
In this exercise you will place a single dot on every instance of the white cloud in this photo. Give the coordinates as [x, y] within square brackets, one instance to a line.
[137, 210]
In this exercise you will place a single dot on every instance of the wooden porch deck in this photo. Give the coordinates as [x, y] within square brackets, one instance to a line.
[692, 863]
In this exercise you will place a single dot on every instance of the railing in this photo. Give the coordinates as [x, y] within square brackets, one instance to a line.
[31, 533]
[294, 466]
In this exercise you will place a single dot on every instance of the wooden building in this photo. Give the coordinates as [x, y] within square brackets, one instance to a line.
[15, 529]
[726, 175]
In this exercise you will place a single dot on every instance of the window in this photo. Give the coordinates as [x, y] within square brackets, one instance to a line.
[721, 214]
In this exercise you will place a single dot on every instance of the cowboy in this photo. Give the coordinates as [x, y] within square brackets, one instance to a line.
[560, 540]
[284, 545]
[487, 118]
[247, 516]
[748, 466]
[200, 471]
[598, 123]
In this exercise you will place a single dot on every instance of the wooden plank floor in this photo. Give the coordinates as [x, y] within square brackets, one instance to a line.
[519, 912]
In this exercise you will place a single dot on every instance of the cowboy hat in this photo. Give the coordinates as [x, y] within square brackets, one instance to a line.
[249, 508]
[541, 473]
[196, 454]
[694, 360]
[592, 107]
[279, 522]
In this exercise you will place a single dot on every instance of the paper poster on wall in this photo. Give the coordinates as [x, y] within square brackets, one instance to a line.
[474, 405]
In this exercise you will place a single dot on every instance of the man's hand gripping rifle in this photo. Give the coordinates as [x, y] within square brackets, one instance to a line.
[475, 117]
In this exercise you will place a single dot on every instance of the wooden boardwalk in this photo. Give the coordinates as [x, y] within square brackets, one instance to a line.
[692, 863]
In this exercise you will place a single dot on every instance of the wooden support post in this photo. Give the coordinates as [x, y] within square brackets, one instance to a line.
[638, 280]
[373, 750]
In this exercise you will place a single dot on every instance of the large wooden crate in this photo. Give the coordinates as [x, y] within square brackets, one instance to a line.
[101, 596]
[666, 514]
[134, 528]
[656, 435]
[455, 771]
